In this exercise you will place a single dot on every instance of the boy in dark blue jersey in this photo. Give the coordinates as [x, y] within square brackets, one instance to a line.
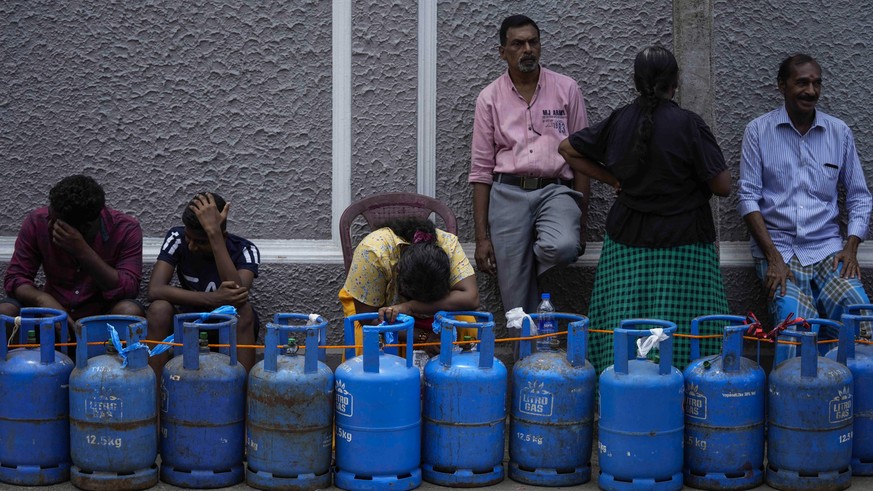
[214, 268]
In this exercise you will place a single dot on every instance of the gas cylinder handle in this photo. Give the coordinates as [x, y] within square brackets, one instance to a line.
[818, 325]
[851, 330]
[484, 326]
[366, 318]
[857, 308]
[855, 320]
[287, 318]
[226, 328]
[179, 321]
[312, 333]
[732, 348]
[45, 319]
[735, 320]
[371, 337]
[808, 352]
[577, 338]
[625, 345]
[130, 328]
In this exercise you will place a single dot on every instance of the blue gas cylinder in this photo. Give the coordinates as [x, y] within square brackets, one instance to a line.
[859, 358]
[113, 410]
[290, 402]
[464, 409]
[378, 412]
[724, 414]
[809, 419]
[642, 423]
[34, 403]
[202, 407]
[552, 413]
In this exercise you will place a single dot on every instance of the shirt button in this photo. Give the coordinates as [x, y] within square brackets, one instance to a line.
[531, 151]
[77, 292]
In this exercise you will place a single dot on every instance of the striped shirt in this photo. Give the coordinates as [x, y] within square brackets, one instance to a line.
[796, 191]
[198, 272]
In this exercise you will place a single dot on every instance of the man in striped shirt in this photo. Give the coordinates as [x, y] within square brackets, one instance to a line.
[214, 268]
[794, 159]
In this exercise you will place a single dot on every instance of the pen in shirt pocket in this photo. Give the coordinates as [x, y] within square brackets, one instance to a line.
[832, 166]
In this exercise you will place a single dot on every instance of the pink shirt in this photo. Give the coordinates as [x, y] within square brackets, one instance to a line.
[512, 138]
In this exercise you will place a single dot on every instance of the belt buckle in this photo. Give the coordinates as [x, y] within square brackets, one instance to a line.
[530, 183]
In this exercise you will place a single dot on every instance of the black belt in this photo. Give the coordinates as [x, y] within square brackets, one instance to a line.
[530, 183]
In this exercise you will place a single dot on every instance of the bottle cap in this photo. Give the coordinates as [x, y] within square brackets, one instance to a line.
[546, 296]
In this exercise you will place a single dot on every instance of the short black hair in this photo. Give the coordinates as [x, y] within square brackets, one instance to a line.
[515, 21]
[189, 218]
[77, 200]
[792, 61]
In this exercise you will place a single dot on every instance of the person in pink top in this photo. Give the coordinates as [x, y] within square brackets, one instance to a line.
[529, 207]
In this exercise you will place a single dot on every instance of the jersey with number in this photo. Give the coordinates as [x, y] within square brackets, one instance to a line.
[198, 272]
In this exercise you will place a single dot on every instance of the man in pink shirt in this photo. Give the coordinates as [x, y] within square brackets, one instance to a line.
[529, 207]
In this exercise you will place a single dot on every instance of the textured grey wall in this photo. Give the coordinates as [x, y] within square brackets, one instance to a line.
[384, 96]
[165, 98]
[162, 99]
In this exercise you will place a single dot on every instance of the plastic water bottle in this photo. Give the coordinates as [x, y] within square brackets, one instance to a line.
[545, 322]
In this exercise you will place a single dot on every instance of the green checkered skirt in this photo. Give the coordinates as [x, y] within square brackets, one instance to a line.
[675, 284]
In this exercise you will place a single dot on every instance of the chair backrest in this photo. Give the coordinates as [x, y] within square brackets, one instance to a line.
[381, 208]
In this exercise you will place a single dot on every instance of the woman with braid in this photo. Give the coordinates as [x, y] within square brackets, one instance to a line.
[659, 258]
[409, 267]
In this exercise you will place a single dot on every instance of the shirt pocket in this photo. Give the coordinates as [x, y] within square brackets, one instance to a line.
[823, 180]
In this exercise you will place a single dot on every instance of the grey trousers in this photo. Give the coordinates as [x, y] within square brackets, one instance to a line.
[531, 231]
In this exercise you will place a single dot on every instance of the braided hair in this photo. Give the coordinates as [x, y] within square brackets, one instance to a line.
[656, 75]
[423, 272]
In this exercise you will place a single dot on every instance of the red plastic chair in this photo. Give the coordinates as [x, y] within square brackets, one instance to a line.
[381, 208]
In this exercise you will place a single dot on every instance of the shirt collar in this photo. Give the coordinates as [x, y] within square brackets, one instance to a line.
[783, 119]
[508, 80]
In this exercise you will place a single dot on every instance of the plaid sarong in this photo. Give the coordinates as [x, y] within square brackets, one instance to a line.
[675, 284]
[817, 291]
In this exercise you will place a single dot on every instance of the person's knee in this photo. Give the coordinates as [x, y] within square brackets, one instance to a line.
[9, 309]
[560, 250]
[128, 307]
[160, 317]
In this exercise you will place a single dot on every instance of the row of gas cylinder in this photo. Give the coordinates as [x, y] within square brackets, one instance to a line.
[659, 428]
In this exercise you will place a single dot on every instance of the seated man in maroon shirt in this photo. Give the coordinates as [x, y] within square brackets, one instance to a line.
[91, 256]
